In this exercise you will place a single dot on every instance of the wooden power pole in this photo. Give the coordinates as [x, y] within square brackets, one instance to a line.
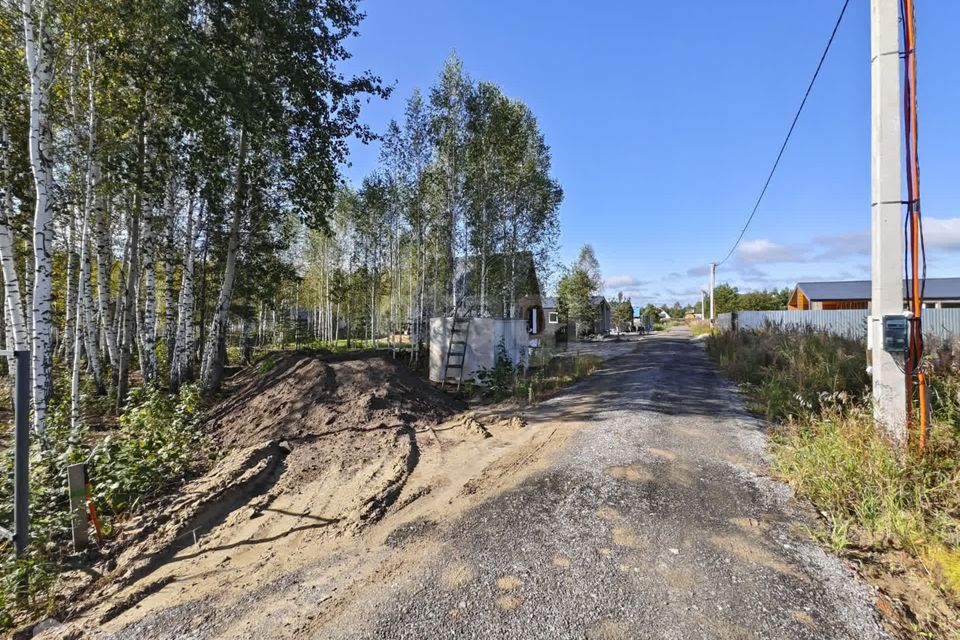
[889, 394]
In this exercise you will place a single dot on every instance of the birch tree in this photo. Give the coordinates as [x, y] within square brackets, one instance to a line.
[39, 58]
[448, 101]
[181, 363]
[16, 327]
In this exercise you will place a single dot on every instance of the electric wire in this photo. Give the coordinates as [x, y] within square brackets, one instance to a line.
[793, 125]
[915, 259]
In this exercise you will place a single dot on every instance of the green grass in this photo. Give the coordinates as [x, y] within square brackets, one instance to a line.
[792, 374]
[873, 495]
[852, 474]
[700, 327]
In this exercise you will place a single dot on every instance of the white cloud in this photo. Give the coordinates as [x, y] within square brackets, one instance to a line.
[841, 245]
[614, 282]
[633, 294]
[766, 252]
[942, 233]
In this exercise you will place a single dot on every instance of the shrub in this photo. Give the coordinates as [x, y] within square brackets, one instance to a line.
[156, 445]
[500, 379]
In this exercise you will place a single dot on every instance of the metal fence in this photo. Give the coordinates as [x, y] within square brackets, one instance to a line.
[938, 324]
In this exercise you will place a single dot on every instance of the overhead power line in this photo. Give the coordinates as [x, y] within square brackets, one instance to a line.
[789, 133]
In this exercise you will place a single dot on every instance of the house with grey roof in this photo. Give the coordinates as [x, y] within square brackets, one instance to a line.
[938, 293]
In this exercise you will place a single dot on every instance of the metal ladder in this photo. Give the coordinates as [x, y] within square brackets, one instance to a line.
[459, 332]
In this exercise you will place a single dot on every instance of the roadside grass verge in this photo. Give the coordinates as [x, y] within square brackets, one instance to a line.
[897, 509]
[792, 374]
[699, 327]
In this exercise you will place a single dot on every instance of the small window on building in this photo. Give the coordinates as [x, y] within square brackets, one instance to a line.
[554, 317]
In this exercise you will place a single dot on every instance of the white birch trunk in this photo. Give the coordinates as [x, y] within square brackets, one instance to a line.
[77, 347]
[170, 309]
[101, 219]
[16, 329]
[40, 69]
[85, 325]
[180, 366]
[147, 294]
[66, 344]
[214, 354]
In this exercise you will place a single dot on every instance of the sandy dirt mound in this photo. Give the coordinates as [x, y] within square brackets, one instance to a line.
[317, 447]
[306, 394]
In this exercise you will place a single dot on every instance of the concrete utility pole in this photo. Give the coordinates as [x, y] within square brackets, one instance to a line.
[713, 307]
[889, 390]
[703, 304]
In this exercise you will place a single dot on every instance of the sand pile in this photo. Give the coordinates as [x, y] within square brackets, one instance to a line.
[305, 395]
[313, 447]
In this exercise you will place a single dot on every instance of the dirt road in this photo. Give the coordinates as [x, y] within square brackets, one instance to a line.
[635, 505]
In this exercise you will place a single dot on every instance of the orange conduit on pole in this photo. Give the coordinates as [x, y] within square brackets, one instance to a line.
[914, 227]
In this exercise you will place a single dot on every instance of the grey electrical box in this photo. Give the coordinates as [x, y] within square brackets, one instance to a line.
[896, 330]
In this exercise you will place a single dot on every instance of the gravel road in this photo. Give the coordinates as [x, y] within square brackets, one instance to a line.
[654, 521]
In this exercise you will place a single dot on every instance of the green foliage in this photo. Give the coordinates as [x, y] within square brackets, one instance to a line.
[789, 374]
[622, 313]
[700, 327]
[579, 282]
[676, 311]
[157, 445]
[588, 263]
[554, 372]
[839, 461]
[728, 298]
[500, 379]
[725, 298]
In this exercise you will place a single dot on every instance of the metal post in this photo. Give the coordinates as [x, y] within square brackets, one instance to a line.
[77, 488]
[889, 394]
[713, 308]
[21, 470]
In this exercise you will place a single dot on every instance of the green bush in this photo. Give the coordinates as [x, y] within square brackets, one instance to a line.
[157, 444]
[500, 379]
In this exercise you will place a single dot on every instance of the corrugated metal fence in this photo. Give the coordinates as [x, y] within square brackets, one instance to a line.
[937, 323]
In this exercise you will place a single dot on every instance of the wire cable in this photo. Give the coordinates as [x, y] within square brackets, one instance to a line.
[789, 132]
[916, 264]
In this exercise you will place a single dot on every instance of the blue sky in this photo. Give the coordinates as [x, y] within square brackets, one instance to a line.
[664, 118]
